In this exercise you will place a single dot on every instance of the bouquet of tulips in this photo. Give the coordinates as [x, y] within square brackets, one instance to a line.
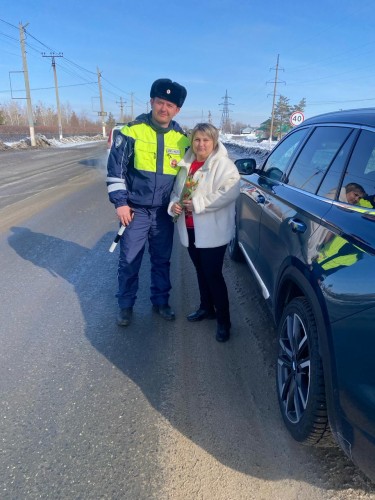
[187, 192]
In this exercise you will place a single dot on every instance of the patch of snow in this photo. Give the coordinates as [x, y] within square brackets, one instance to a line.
[43, 142]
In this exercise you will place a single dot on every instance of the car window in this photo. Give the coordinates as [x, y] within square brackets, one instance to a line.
[358, 186]
[318, 153]
[279, 159]
[332, 180]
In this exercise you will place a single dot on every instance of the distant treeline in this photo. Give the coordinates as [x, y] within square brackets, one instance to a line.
[14, 119]
[9, 133]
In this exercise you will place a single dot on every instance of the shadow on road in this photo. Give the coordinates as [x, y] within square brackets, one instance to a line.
[94, 162]
[146, 353]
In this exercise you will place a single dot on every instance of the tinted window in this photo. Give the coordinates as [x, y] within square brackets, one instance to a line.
[359, 181]
[278, 161]
[332, 180]
[316, 156]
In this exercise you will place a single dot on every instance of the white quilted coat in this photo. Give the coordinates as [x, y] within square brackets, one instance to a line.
[213, 199]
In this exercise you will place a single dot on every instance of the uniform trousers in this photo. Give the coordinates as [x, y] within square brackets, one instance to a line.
[208, 263]
[155, 226]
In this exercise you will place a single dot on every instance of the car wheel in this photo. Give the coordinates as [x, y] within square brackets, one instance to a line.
[300, 382]
[234, 250]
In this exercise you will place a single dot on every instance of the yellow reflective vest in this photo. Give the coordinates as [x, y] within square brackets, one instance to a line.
[142, 164]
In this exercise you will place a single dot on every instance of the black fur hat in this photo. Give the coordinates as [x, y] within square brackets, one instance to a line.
[168, 90]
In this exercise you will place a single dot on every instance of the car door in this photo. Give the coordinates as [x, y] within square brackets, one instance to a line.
[292, 212]
[256, 193]
[249, 209]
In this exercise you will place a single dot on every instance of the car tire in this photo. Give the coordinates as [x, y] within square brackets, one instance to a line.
[234, 250]
[299, 376]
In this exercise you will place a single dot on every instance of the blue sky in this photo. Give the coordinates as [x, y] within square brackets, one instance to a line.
[326, 48]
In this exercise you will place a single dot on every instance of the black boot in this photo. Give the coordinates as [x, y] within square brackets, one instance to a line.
[222, 333]
[124, 316]
[165, 312]
[201, 314]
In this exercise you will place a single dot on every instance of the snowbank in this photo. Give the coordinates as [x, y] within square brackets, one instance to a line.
[248, 147]
[43, 142]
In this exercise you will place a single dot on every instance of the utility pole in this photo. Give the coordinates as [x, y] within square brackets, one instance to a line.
[274, 97]
[121, 109]
[225, 125]
[53, 55]
[27, 85]
[101, 113]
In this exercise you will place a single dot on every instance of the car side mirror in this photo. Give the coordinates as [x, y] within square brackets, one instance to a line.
[246, 166]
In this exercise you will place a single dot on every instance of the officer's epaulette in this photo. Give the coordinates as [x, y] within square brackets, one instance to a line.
[175, 126]
[143, 118]
[134, 122]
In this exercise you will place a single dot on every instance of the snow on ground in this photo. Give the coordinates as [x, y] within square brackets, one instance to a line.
[43, 142]
[78, 140]
[247, 140]
[246, 144]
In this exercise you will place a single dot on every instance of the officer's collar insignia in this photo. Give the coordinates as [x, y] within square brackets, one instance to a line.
[118, 140]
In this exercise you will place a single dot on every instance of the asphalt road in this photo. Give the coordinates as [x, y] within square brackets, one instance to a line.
[158, 410]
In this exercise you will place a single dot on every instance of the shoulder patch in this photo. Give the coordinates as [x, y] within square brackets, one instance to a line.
[119, 140]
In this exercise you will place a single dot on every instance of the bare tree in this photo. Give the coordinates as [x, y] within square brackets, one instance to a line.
[66, 113]
[44, 115]
[15, 114]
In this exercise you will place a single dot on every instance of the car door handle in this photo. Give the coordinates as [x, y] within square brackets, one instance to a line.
[297, 226]
[260, 199]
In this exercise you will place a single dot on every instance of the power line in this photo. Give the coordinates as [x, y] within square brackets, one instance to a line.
[78, 66]
[49, 88]
[121, 90]
[73, 73]
[66, 65]
[9, 24]
[41, 43]
[320, 103]
[8, 36]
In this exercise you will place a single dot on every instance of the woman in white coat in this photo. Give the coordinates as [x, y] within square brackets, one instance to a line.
[205, 219]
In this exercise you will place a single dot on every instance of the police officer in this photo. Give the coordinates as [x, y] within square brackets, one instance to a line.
[142, 166]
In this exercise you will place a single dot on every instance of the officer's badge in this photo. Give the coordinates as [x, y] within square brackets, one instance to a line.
[174, 163]
[118, 140]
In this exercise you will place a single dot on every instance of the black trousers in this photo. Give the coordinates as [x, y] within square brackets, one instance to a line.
[208, 263]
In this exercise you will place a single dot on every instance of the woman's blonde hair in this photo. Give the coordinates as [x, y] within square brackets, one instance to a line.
[208, 129]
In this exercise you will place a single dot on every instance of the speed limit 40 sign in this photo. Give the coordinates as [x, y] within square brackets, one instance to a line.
[296, 118]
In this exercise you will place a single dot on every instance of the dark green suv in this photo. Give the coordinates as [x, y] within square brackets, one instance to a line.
[305, 224]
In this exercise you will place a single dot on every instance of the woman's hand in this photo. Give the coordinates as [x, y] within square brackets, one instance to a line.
[176, 208]
[188, 205]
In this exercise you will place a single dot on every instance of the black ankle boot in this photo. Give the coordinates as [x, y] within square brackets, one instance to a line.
[201, 314]
[222, 333]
